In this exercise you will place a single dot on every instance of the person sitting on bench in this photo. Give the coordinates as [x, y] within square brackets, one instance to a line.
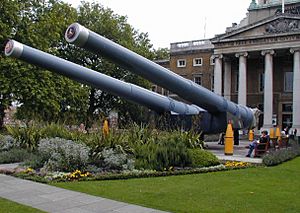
[264, 138]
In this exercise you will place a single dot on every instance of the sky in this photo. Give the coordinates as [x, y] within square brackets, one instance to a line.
[169, 21]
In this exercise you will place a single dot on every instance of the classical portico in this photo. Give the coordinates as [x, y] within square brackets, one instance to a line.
[258, 60]
[296, 88]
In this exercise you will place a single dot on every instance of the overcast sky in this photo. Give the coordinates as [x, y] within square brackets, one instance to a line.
[168, 21]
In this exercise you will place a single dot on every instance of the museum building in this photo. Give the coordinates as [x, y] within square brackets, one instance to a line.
[254, 63]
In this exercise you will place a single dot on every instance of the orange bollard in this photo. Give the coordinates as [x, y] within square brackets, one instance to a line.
[278, 133]
[229, 140]
[272, 133]
[251, 135]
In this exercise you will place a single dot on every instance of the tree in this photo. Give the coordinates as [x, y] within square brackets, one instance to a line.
[8, 20]
[42, 95]
[114, 27]
[162, 54]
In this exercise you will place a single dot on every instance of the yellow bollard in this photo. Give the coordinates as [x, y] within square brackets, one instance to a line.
[229, 140]
[251, 135]
[278, 133]
[105, 129]
[272, 133]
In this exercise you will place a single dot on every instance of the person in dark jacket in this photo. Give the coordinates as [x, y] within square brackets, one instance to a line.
[264, 138]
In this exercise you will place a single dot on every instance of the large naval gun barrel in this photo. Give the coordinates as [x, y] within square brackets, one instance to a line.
[241, 116]
[211, 123]
[131, 92]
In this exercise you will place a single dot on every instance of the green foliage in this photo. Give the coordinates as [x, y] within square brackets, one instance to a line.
[115, 27]
[54, 130]
[161, 154]
[63, 155]
[14, 155]
[162, 54]
[279, 156]
[27, 137]
[46, 96]
[203, 158]
[42, 95]
[7, 142]
[115, 159]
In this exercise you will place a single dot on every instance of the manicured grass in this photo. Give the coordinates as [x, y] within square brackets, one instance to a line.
[262, 189]
[8, 206]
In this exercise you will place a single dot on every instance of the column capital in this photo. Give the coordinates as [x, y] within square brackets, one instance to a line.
[217, 56]
[245, 54]
[295, 49]
[265, 52]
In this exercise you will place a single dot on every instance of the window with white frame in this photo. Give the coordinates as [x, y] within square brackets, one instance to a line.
[198, 79]
[288, 81]
[197, 62]
[261, 82]
[181, 63]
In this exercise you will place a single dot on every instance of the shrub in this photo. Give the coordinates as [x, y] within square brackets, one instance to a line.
[54, 130]
[282, 155]
[202, 158]
[35, 161]
[7, 142]
[115, 159]
[28, 137]
[161, 155]
[14, 155]
[63, 155]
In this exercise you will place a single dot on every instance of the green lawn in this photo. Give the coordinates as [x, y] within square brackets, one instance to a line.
[272, 189]
[8, 206]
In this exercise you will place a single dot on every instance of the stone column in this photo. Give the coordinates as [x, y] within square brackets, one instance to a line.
[218, 74]
[296, 90]
[268, 90]
[242, 90]
[227, 79]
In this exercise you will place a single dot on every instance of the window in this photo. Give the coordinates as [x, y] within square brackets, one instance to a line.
[198, 79]
[288, 81]
[197, 62]
[181, 63]
[261, 82]
[212, 61]
[287, 107]
[287, 120]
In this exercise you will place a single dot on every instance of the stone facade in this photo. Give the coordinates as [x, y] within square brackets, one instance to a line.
[254, 63]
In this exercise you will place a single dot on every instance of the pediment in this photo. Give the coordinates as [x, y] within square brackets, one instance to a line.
[273, 26]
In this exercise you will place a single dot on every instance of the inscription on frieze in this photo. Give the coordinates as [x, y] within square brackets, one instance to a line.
[257, 41]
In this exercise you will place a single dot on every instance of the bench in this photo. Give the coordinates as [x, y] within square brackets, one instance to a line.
[283, 142]
[261, 149]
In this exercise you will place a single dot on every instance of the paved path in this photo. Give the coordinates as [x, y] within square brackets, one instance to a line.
[239, 152]
[54, 199]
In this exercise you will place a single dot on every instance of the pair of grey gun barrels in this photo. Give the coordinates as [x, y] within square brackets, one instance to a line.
[215, 110]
